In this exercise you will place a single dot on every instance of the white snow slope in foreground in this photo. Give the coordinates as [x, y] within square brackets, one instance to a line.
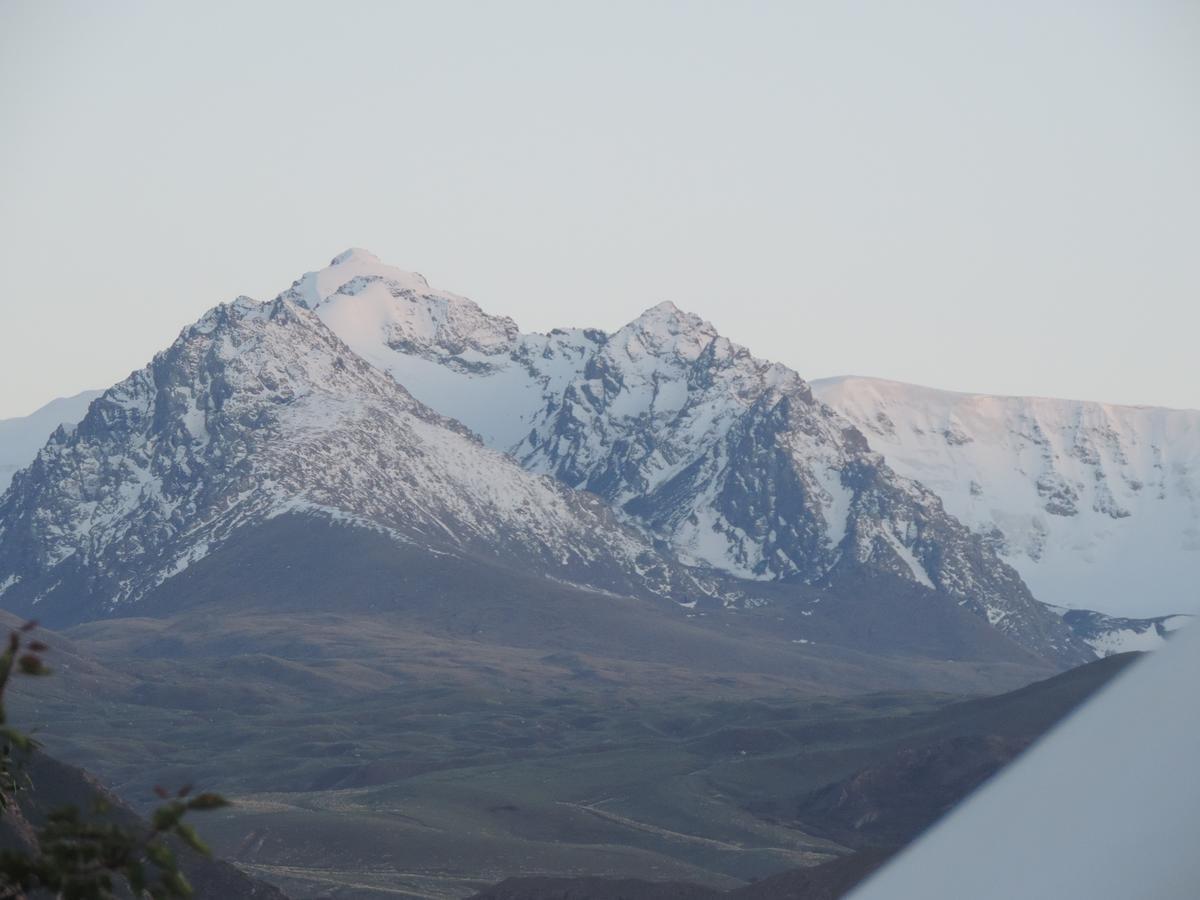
[1097, 506]
[1105, 806]
[22, 437]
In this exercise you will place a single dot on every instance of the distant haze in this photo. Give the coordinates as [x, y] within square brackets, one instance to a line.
[987, 197]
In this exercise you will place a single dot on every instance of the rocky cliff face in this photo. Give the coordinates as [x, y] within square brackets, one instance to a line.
[660, 460]
[259, 410]
[727, 460]
[22, 437]
[1097, 506]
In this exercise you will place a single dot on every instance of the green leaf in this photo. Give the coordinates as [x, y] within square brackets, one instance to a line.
[188, 834]
[176, 884]
[137, 877]
[18, 739]
[167, 817]
[161, 856]
[207, 801]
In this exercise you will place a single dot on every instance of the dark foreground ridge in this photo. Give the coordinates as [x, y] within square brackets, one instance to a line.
[56, 785]
[880, 808]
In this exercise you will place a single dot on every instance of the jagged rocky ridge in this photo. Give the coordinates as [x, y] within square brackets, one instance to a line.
[727, 460]
[259, 410]
[1110, 635]
[723, 470]
[1096, 505]
[22, 437]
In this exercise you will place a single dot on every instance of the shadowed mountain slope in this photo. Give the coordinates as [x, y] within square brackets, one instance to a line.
[726, 458]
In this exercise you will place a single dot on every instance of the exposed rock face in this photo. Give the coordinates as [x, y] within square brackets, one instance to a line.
[726, 459]
[698, 470]
[258, 410]
[1097, 506]
[1110, 635]
[22, 437]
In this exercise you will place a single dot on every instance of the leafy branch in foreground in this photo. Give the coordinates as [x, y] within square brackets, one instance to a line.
[79, 858]
[24, 656]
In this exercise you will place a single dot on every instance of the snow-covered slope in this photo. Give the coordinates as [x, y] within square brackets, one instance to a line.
[466, 364]
[704, 456]
[22, 437]
[1097, 506]
[259, 410]
[725, 458]
[1108, 635]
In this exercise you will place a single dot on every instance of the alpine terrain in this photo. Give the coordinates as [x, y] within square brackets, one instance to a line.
[257, 411]
[385, 569]
[681, 467]
[1097, 506]
[21, 438]
[726, 459]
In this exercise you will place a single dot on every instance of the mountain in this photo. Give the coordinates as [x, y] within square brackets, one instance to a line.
[21, 438]
[683, 468]
[727, 460]
[1109, 635]
[259, 410]
[1097, 506]
[259, 444]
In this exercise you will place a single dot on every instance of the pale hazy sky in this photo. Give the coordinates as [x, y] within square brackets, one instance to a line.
[984, 196]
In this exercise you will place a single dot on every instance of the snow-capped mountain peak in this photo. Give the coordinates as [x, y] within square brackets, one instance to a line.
[723, 457]
[716, 458]
[1097, 505]
[356, 255]
[313, 287]
[22, 437]
[665, 329]
[365, 300]
[259, 410]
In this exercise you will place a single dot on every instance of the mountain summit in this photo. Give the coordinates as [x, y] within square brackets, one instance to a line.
[659, 461]
[258, 411]
[726, 459]
[1096, 505]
